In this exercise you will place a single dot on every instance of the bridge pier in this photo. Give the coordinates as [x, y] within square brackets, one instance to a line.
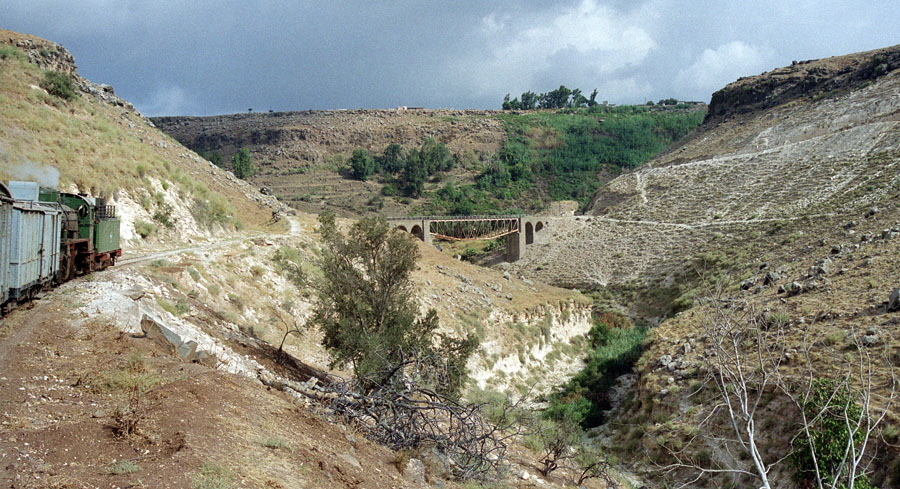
[515, 244]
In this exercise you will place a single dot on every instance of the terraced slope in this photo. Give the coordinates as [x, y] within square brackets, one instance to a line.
[816, 143]
[299, 153]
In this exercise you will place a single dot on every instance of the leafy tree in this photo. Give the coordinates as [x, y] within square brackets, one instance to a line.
[369, 317]
[577, 99]
[435, 156]
[362, 166]
[392, 159]
[593, 100]
[414, 174]
[529, 100]
[555, 99]
[215, 157]
[242, 164]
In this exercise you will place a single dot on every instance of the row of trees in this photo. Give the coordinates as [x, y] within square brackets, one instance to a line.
[406, 170]
[560, 98]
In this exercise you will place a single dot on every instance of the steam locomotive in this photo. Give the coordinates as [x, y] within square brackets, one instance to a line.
[48, 237]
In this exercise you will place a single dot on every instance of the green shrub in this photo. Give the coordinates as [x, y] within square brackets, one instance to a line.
[242, 164]
[832, 409]
[236, 299]
[389, 190]
[10, 52]
[179, 308]
[213, 211]
[275, 444]
[288, 263]
[584, 397]
[59, 85]
[144, 229]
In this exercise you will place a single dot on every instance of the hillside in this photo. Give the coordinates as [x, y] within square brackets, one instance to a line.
[163, 371]
[299, 153]
[99, 144]
[496, 161]
[753, 176]
[780, 213]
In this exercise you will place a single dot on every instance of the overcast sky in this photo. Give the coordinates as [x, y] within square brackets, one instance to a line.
[198, 57]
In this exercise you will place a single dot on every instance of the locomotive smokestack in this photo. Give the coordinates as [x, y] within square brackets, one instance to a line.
[44, 175]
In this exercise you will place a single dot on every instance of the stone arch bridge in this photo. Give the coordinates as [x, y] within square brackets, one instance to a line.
[520, 231]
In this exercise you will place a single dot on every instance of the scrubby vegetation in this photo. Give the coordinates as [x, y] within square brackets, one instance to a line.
[59, 85]
[547, 156]
[403, 171]
[564, 155]
[615, 347]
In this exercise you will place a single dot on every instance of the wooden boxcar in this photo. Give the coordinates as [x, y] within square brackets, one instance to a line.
[6, 210]
[34, 247]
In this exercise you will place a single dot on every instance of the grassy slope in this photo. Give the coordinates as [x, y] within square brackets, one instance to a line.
[107, 150]
[558, 155]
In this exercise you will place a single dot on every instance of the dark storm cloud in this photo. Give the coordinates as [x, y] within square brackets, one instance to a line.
[207, 57]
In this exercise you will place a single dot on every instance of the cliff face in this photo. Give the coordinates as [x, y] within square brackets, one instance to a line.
[304, 138]
[803, 79]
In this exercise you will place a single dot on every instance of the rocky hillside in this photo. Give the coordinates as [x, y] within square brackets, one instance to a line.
[135, 376]
[796, 160]
[785, 205]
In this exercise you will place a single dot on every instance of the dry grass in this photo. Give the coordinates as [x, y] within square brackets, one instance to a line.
[103, 149]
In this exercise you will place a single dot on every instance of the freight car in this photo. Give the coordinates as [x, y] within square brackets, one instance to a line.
[51, 237]
[6, 211]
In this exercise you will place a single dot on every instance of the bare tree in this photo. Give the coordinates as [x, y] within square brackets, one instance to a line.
[744, 356]
[591, 464]
[748, 361]
[404, 415]
[838, 418]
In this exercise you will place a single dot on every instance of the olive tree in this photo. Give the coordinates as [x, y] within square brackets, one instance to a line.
[370, 319]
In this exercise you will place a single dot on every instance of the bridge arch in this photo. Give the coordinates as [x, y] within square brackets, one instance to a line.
[417, 232]
[529, 233]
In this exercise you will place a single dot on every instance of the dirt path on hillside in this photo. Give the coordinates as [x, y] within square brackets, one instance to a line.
[722, 222]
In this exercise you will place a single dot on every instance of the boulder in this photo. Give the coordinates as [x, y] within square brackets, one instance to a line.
[664, 360]
[172, 342]
[894, 301]
[415, 471]
[870, 340]
[771, 277]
